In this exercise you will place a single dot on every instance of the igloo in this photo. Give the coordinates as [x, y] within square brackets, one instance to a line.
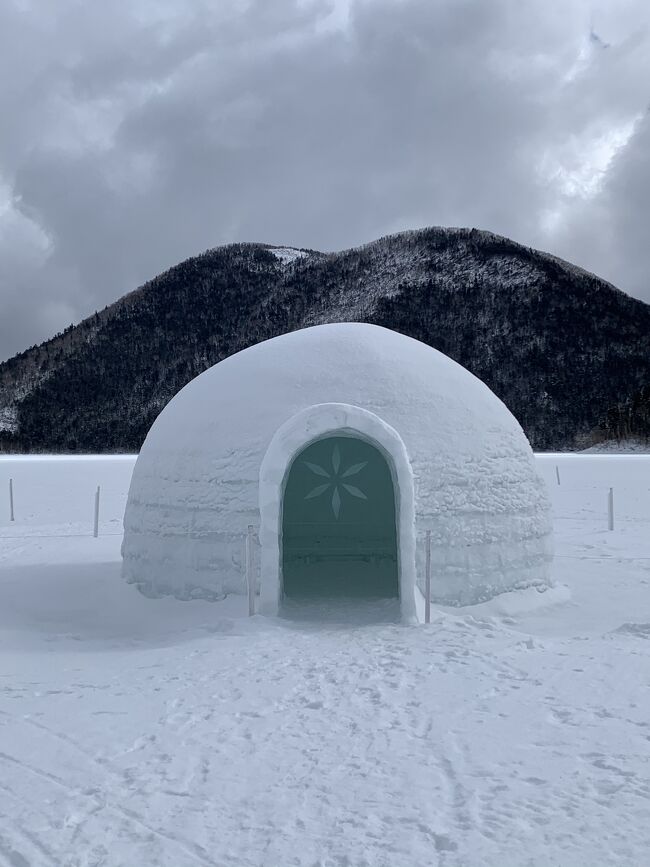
[344, 446]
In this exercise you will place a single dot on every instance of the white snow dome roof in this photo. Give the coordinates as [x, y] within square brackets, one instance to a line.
[221, 457]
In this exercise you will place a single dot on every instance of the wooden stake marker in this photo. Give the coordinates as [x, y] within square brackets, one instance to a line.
[96, 522]
[427, 581]
[250, 579]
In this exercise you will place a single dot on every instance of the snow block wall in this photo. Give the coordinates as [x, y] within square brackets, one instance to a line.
[196, 483]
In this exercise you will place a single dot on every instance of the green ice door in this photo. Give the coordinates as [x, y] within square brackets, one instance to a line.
[339, 534]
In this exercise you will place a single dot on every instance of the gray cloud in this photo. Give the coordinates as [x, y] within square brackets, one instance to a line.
[139, 134]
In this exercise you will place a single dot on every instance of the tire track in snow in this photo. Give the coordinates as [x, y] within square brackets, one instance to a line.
[189, 847]
[17, 859]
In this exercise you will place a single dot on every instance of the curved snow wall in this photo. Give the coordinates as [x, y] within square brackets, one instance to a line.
[195, 487]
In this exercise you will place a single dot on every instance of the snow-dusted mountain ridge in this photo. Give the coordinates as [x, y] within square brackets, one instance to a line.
[563, 348]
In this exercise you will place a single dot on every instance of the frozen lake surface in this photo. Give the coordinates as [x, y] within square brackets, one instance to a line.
[142, 732]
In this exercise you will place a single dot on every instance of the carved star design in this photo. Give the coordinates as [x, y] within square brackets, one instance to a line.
[335, 481]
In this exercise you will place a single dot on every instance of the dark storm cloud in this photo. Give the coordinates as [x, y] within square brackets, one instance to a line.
[138, 134]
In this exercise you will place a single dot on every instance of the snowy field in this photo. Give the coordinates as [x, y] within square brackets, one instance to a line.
[166, 734]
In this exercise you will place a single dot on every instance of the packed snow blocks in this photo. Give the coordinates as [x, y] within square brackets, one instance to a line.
[350, 450]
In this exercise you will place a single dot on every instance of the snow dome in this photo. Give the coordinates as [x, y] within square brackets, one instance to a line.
[343, 446]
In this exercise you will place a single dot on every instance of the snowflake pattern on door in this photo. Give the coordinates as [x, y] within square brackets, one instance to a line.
[335, 481]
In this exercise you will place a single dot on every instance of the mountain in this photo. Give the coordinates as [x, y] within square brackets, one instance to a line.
[560, 347]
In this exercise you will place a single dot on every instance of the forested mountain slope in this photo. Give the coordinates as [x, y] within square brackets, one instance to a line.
[559, 346]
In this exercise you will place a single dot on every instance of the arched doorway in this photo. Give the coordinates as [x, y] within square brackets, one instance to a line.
[307, 426]
[339, 531]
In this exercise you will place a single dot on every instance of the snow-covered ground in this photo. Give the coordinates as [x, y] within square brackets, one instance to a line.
[137, 732]
[287, 254]
[630, 446]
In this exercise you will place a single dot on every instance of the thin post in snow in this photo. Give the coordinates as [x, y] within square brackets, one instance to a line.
[96, 522]
[250, 581]
[11, 500]
[557, 473]
[610, 509]
[427, 580]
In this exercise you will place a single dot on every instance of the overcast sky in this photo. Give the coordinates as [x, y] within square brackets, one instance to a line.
[136, 133]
